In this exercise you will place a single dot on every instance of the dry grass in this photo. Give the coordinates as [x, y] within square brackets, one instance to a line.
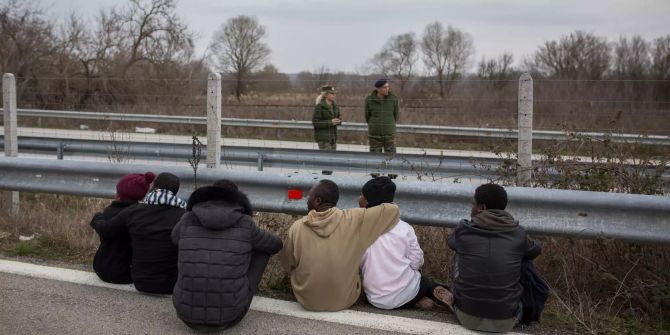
[598, 286]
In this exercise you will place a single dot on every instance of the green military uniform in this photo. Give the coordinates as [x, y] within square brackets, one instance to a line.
[325, 133]
[381, 114]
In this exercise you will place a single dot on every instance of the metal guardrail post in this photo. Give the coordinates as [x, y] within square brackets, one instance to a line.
[213, 120]
[60, 149]
[11, 133]
[525, 141]
[259, 163]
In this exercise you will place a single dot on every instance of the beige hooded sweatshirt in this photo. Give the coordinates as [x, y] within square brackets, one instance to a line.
[323, 253]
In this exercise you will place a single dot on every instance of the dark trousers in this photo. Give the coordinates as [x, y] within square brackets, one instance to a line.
[426, 289]
[259, 261]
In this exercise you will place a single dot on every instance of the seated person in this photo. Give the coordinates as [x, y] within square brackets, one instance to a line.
[491, 249]
[390, 266]
[323, 250]
[112, 259]
[222, 254]
[150, 224]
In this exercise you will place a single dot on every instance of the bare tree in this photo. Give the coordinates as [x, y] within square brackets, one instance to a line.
[579, 55]
[631, 58]
[397, 59]
[27, 42]
[496, 69]
[446, 53]
[660, 55]
[237, 48]
[154, 33]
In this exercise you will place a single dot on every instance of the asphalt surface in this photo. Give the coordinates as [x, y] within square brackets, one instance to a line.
[41, 306]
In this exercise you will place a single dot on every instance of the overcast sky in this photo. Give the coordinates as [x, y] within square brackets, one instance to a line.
[345, 34]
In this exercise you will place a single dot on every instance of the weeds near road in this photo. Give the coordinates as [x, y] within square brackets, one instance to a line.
[598, 286]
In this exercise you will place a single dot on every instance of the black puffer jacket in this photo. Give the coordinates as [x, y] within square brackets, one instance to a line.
[490, 249]
[112, 259]
[215, 241]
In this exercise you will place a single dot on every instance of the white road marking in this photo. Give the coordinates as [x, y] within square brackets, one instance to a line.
[261, 304]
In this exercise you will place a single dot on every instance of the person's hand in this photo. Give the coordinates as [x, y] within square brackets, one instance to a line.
[336, 121]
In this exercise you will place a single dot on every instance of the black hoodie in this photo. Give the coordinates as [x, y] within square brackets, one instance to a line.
[490, 250]
[112, 260]
[215, 240]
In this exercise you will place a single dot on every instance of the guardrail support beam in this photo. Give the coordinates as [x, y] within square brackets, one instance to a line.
[525, 140]
[10, 136]
[213, 120]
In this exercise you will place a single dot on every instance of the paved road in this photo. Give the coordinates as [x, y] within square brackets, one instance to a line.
[43, 306]
[38, 299]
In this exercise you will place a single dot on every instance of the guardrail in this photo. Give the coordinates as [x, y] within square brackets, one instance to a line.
[430, 167]
[554, 212]
[403, 164]
[348, 126]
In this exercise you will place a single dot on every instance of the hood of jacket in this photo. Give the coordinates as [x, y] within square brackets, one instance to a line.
[495, 220]
[324, 223]
[218, 208]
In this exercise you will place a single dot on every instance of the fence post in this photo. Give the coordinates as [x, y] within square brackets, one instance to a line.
[11, 132]
[525, 131]
[213, 120]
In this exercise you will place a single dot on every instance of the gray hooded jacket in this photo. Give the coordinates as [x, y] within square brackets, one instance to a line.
[216, 240]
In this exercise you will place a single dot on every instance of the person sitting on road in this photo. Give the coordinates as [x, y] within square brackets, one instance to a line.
[491, 250]
[390, 266]
[113, 257]
[323, 250]
[150, 223]
[222, 257]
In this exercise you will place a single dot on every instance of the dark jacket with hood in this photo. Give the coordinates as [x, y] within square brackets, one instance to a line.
[381, 114]
[112, 259]
[324, 129]
[490, 251]
[216, 239]
[154, 260]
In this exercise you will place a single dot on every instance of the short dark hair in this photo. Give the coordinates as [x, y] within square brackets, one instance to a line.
[226, 184]
[379, 190]
[328, 191]
[167, 181]
[492, 195]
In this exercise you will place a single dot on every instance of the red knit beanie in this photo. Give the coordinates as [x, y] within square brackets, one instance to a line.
[134, 186]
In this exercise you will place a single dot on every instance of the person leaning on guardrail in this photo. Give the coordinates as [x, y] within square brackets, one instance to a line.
[114, 255]
[491, 264]
[381, 114]
[222, 254]
[323, 250]
[390, 267]
[150, 224]
[326, 119]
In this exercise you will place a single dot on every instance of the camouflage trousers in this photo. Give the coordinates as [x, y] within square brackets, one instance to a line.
[328, 145]
[385, 143]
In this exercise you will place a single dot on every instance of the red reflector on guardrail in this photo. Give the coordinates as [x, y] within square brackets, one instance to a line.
[294, 194]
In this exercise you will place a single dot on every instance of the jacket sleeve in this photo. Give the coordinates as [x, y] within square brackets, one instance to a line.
[415, 254]
[176, 231]
[368, 112]
[396, 110]
[286, 257]
[111, 227]
[264, 241]
[386, 216]
[533, 249]
[318, 118]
